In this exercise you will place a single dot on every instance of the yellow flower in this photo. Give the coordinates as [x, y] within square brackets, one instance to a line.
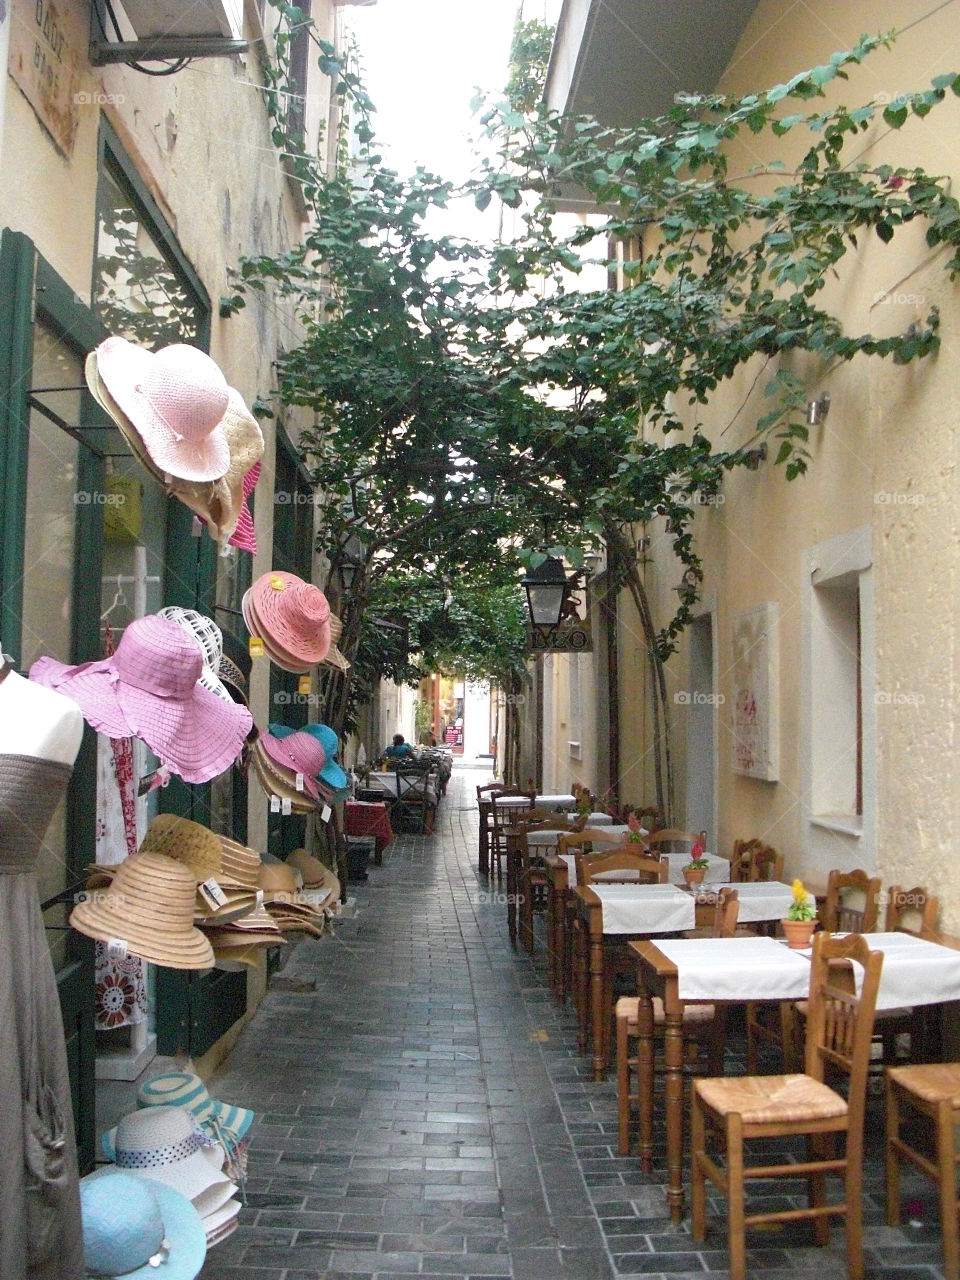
[799, 892]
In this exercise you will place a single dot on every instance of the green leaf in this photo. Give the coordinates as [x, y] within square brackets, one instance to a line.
[894, 116]
[885, 232]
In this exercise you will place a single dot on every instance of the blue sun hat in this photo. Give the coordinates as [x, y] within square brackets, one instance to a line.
[139, 1229]
[331, 774]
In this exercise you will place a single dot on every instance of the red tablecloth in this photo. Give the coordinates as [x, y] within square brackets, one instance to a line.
[368, 818]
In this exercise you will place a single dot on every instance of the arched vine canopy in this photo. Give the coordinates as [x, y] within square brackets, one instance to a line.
[474, 402]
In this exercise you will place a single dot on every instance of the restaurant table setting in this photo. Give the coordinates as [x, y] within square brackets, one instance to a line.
[737, 970]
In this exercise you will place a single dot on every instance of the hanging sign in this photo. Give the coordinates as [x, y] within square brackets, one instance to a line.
[43, 62]
[567, 637]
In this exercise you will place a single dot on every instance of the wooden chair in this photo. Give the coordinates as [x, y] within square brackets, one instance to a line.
[671, 836]
[503, 820]
[739, 862]
[704, 1025]
[560, 919]
[852, 906]
[485, 796]
[741, 1109]
[853, 902]
[764, 864]
[912, 911]
[531, 881]
[629, 863]
[931, 1091]
[636, 867]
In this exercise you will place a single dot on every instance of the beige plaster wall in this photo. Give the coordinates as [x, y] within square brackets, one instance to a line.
[885, 460]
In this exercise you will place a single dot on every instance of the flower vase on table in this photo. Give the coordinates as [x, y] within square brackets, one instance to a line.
[696, 868]
[801, 919]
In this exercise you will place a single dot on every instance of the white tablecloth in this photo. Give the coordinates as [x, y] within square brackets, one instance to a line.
[387, 782]
[763, 900]
[540, 802]
[737, 969]
[717, 873]
[915, 972]
[645, 908]
[546, 838]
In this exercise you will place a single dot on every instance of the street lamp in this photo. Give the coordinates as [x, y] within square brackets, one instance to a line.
[351, 562]
[547, 589]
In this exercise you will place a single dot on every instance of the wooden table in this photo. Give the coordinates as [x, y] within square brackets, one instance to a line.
[738, 970]
[605, 917]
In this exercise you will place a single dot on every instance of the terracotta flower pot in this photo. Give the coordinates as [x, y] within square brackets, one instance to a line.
[693, 878]
[798, 933]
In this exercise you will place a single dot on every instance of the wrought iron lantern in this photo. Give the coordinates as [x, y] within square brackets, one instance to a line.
[547, 588]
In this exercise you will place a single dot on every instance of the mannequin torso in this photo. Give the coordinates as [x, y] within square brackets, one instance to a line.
[38, 722]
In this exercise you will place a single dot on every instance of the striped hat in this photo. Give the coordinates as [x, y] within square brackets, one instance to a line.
[184, 1089]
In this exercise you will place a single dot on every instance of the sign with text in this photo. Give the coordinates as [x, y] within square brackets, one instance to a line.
[566, 637]
[43, 63]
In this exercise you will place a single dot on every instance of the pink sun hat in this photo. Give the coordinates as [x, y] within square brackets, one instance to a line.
[292, 613]
[244, 535]
[149, 689]
[294, 760]
[176, 399]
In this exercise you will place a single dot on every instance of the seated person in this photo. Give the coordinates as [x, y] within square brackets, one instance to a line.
[399, 749]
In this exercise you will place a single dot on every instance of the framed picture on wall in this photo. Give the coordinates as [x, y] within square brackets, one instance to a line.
[756, 689]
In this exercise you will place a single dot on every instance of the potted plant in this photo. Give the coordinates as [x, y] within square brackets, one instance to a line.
[801, 918]
[694, 871]
[636, 834]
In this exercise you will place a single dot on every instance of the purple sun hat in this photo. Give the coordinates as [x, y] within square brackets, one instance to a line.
[149, 689]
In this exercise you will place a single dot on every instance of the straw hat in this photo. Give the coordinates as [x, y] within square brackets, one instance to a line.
[281, 780]
[331, 774]
[233, 678]
[240, 863]
[176, 399]
[240, 959]
[316, 875]
[129, 432]
[284, 900]
[167, 1144]
[274, 785]
[335, 658]
[219, 1120]
[273, 648]
[244, 536]
[292, 614]
[187, 842]
[148, 906]
[220, 503]
[149, 689]
[138, 1229]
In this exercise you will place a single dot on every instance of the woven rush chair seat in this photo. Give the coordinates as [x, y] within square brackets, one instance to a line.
[931, 1091]
[703, 1025]
[729, 1115]
[772, 1099]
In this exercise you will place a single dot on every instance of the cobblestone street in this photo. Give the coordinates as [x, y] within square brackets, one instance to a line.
[424, 1110]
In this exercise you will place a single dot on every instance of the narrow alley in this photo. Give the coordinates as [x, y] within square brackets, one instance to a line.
[425, 1110]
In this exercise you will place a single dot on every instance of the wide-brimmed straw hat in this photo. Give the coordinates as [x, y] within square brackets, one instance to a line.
[244, 536]
[148, 907]
[284, 899]
[335, 658]
[129, 432]
[149, 689]
[292, 614]
[280, 783]
[187, 842]
[293, 760]
[210, 639]
[240, 863]
[176, 399]
[331, 773]
[316, 875]
[166, 1143]
[138, 1228]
